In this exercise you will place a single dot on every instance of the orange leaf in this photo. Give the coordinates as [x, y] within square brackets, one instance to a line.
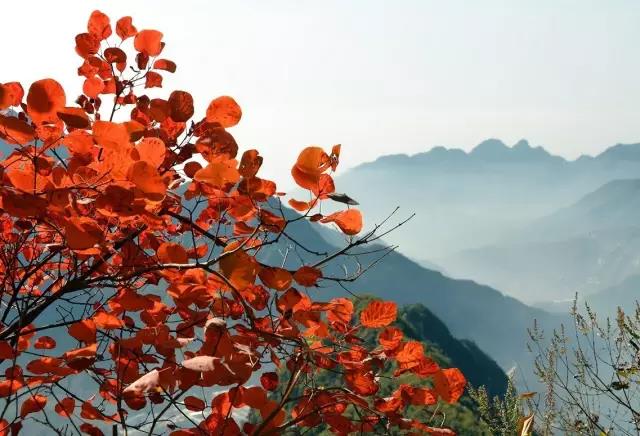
[307, 276]
[165, 65]
[423, 397]
[125, 29]
[341, 310]
[313, 160]
[9, 387]
[239, 268]
[362, 383]
[88, 352]
[65, 407]
[92, 87]
[304, 180]
[276, 278]
[84, 331]
[45, 98]
[11, 94]
[152, 150]
[107, 321]
[411, 352]
[349, 221]
[225, 111]
[170, 252]
[148, 42]
[110, 135]
[379, 314]
[293, 300]
[300, 206]
[146, 178]
[82, 233]
[33, 404]
[449, 384]
[390, 338]
[218, 174]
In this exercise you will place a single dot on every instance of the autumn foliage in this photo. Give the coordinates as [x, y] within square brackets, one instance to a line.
[130, 267]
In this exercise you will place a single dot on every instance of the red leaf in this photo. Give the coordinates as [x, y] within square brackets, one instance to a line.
[218, 174]
[45, 98]
[154, 80]
[125, 29]
[269, 381]
[390, 338]
[307, 276]
[32, 404]
[276, 278]
[152, 150]
[170, 252]
[449, 384]
[84, 331]
[349, 221]
[65, 407]
[148, 42]
[82, 233]
[239, 268]
[300, 206]
[11, 94]
[194, 404]
[75, 117]
[16, 131]
[361, 382]
[146, 178]
[99, 25]
[6, 350]
[107, 321]
[224, 111]
[410, 352]
[379, 314]
[341, 310]
[166, 65]
[181, 105]
[45, 343]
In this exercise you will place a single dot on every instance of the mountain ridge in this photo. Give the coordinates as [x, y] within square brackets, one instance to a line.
[493, 149]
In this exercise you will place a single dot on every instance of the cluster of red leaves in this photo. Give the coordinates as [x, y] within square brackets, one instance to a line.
[159, 253]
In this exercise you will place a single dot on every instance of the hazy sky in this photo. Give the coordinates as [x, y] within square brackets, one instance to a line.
[377, 76]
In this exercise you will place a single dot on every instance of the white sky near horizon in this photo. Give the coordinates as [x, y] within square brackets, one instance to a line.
[380, 77]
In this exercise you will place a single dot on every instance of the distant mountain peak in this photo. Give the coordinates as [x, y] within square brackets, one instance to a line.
[490, 148]
[496, 150]
[621, 152]
[522, 144]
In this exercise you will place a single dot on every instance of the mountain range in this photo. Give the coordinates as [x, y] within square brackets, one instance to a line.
[583, 248]
[534, 225]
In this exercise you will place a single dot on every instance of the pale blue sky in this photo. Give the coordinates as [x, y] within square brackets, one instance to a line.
[378, 76]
